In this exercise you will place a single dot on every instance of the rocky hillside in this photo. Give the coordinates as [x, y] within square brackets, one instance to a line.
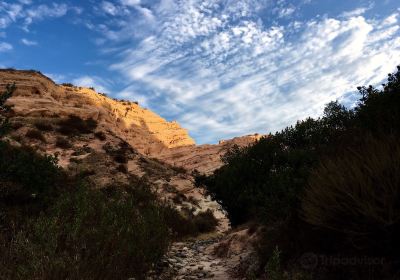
[104, 140]
[203, 158]
[108, 141]
[38, 97]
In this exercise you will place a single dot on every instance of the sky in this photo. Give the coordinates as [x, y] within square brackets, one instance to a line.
[221, 68]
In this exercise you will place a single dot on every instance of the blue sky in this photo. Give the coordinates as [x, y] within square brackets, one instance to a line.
[221, 68]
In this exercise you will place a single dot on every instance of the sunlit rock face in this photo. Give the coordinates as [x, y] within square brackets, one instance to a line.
[204, 158]
[38, 96]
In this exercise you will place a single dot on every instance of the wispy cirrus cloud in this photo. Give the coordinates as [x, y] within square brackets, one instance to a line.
[29, 43]
[221, 71]
[25, 12]
[224, 68]
[101, 85]
[4, 47]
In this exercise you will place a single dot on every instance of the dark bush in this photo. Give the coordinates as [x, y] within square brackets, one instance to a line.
[100, 135]
[179, 169]
[358, 196]
[5, 125]
[378, 111]
[120, 158]
[188, 224]
[43, 126]
[89, 235]
[180, 225]
[121, 154]
[63, 143]
[122, 168]
[74, 125]
[264, 181]
[352, 205]
[4, 96]
[67, 85]
[15, 125]
[52, 229]
[205, 221]
[28, 184]
[36, 174]
[179, 198]
[35, 134]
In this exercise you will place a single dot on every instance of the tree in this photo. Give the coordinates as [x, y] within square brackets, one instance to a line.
[4, 109]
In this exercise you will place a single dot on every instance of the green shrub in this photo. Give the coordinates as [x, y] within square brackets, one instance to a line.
[352, 205]
[378, 112]
[74, 125]
[35, 134]
[36, 175]
[90, 234]
[264, 181]
[5, 125]
[28, 185]
[4, 96]
[273, 268]
[67, 85]
[180, 225]
[357, 195]
[187, 224]
[205, 221]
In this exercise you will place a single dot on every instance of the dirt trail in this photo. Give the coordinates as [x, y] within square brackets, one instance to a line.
[196, 260]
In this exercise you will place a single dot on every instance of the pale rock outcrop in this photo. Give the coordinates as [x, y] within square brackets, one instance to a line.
[38, 96]
[204, 158]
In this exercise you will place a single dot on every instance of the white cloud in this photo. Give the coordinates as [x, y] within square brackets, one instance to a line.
[221, 72]
[8, 13]
[25, 2]
[109, 8]
[4, 47]
[390, 20]
[43, 11]
[27, 42]
[132, 3]
[356, 12]
[89, 81]
[58, 78]
[25, 12]
[285, 12]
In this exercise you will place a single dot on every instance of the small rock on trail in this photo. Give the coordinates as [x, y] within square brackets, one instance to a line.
[195, 260]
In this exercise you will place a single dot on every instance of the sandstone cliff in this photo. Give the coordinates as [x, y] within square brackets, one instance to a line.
[38, 96]
[203, 158]
[125, 142]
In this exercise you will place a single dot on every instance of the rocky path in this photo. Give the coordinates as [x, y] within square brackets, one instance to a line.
[196, 260]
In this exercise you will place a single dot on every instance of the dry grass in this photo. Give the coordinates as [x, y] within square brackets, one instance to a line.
[358, 193]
